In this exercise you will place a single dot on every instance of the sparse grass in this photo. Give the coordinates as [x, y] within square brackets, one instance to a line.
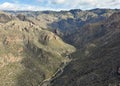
[39, 57]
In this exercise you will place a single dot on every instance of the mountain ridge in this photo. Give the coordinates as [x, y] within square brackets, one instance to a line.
[37, 48]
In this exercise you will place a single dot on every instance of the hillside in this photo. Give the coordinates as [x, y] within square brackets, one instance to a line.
[35, 48]
[100, 67]
[28, 53]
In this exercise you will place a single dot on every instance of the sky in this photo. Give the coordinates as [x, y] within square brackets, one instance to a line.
[36, 5]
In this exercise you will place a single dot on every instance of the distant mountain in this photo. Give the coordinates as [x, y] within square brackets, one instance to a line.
[66, 21]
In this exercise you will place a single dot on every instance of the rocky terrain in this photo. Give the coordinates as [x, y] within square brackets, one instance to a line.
[28, 53]
[97, 64]
[35, 48]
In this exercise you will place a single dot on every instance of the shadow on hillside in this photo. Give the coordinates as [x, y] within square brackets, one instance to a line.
[78, 32]
[70, 24]
[99, 69]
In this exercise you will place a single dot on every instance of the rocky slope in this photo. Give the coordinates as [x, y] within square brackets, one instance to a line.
[100, 67]
[29, 54]
[32, 54]
[5, 17]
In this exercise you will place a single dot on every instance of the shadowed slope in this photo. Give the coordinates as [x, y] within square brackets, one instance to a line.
[99, 67]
